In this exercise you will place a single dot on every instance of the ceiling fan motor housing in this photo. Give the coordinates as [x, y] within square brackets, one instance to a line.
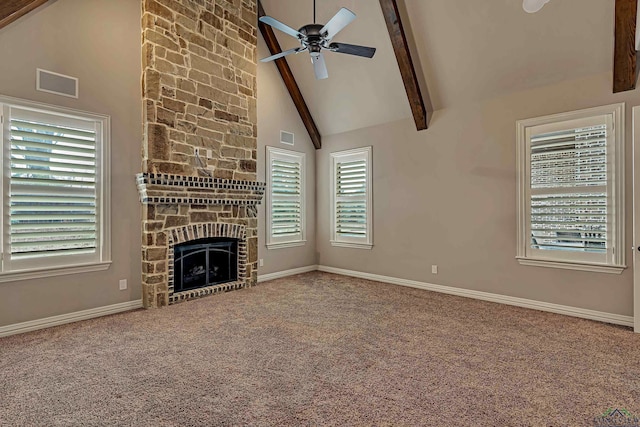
[313, 39]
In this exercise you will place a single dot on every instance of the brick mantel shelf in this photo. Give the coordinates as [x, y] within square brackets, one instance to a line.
[193, 190]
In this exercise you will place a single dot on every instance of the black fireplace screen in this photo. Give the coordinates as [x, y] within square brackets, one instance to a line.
[205, 262]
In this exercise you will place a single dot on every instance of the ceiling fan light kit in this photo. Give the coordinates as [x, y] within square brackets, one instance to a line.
[532, 6]
[317, 37]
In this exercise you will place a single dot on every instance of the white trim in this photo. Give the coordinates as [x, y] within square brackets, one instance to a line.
[616, 319]
[275, 242]
[104, 196]
[351, 245]
[286, 244]
[616, 258]
[583, 313]
[593, 268]
[356, 154]
[636, 215]
[37, 267]
[49, 108]
[12, 276]
[286, 273]
[33, 325]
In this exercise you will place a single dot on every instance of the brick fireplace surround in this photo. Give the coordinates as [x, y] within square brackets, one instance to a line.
[199, 93]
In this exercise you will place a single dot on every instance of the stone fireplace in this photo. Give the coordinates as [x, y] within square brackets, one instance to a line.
[181, 209]
[198, 177]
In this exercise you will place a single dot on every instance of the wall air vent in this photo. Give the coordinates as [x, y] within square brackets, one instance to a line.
[59, 84]
[286, 137]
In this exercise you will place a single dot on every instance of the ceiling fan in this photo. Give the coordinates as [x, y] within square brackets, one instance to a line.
[317, 37]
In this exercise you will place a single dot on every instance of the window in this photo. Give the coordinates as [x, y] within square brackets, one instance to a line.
[571, 190]
[54, 190]
[351, 199]
[285, 198]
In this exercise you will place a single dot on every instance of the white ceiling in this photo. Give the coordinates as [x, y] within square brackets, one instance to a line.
[468, 49]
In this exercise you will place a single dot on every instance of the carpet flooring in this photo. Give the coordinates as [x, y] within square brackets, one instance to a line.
[321, 349]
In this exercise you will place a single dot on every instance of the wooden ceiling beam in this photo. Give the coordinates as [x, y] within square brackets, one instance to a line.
[400, 41]
[625, 57]
[10, 10]
[289, 80]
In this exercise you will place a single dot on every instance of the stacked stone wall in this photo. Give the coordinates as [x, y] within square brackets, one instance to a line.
[199, 86]
[199, 93]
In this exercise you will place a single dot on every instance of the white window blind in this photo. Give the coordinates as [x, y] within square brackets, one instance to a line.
[570, 189]
[286, 198]
[53, 188]
[286, 192]
[351, 198]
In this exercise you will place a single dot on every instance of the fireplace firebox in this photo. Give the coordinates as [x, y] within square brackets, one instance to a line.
[205, 262]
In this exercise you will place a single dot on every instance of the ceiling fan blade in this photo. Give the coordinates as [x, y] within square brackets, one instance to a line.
[280, 26]
[319, 66]
[352, 49]
[282, 54]
[340, 20]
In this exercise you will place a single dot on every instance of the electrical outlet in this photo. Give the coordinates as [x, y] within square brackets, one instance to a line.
[206, 153]
[434, 269]
[261, 262]
[123, 284]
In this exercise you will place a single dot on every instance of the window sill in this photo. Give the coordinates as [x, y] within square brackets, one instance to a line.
[352, 245]
[286, 244]
[12, 276]
[594, 268]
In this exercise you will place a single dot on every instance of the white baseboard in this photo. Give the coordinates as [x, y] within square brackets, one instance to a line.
[285, 273]
[600, 316]
[19, 328]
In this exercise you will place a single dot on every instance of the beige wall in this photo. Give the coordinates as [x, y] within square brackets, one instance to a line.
[97, 41]
[446, 196]
[277, 112]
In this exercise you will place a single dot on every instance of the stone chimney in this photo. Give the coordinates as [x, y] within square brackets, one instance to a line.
[199, 152]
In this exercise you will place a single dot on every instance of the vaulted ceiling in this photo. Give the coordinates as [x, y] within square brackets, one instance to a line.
[468, 51]
[375, 83]
[465, 51]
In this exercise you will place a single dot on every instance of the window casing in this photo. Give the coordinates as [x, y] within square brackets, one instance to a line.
[55, 193]
[571, 190]
[351, 198]
[285, 198]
